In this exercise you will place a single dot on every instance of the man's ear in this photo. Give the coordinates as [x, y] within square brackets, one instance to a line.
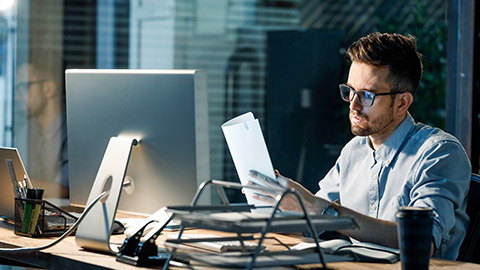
[49, 88]
[403, 102]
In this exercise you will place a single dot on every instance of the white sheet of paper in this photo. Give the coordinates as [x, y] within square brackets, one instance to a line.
[248, 149]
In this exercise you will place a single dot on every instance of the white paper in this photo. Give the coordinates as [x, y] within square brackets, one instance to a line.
[249, 152]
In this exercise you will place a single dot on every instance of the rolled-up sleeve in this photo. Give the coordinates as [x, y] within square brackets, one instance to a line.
[441, 181]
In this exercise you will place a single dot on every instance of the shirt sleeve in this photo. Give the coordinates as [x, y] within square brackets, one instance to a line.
[441, 181]
[330, 184]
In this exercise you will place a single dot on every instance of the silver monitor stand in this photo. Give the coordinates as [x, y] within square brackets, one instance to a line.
[95, 229]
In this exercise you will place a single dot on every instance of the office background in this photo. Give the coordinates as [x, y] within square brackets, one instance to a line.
[281, 59]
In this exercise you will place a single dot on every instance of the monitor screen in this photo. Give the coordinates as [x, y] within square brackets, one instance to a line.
[165, 110]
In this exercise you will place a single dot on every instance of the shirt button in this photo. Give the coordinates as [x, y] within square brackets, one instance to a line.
[375, 177]
[374, 207]
[377, 156]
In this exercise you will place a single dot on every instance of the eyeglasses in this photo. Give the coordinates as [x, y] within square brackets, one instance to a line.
[365, 97]
[22, 88]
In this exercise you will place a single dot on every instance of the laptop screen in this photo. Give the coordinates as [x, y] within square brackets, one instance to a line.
[9, 157]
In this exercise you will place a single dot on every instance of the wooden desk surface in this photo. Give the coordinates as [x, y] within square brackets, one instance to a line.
[66, 255]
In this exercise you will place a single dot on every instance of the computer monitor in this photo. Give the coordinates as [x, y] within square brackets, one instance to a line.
[165, 110]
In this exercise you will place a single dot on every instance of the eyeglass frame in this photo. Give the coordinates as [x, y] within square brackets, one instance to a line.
[22, 88]
[361, 98]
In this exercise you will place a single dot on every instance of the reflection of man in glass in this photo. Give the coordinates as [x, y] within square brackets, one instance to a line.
[39, 89]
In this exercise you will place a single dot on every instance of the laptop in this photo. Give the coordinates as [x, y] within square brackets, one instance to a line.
[7, 196]
[11, 166]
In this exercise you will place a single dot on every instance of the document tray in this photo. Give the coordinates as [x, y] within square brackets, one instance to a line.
[239, 260]
[246, 222]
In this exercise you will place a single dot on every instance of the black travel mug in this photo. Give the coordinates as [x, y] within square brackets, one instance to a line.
[415, 226]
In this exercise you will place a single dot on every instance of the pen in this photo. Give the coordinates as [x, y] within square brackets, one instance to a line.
[28, 181]
[21, 190]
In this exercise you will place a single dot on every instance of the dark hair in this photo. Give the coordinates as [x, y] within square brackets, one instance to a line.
[48, 64]
[393, 50]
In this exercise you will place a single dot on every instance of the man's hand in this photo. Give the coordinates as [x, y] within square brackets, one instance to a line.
[289, 202]
[312, 203]
[370, 229]
[279, 182]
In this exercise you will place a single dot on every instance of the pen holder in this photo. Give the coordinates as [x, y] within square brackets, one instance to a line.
[39, 218]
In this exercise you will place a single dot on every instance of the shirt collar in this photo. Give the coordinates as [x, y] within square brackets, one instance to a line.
[389, 149]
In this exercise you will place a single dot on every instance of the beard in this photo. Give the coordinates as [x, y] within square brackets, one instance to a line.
[368, 128]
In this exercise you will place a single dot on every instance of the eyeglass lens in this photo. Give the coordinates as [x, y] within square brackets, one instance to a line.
[348, 93]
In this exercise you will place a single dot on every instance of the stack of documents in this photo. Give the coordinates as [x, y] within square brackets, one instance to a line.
[249, 152]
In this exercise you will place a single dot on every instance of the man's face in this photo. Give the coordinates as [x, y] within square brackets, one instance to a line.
[377, 119]
[29, 91]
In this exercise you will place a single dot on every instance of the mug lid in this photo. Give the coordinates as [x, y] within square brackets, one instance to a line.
[415, 211]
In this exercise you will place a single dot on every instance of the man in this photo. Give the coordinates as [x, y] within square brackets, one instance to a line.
[38, 89]
[392, 161]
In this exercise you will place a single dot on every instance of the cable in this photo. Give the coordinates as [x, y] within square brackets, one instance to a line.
[64, 235]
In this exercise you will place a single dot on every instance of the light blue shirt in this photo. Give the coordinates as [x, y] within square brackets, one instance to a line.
[416, 166]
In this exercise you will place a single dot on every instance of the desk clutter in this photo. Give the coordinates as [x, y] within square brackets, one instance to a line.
[240, 232]
[240, 235]
[34, 217]
[40, 218]
[248, 229]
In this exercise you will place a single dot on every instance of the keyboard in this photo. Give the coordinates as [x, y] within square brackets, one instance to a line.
[217, 246]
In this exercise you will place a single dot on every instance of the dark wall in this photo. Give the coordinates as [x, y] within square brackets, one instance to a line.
[80, 33]
[306, 120]
[475, 158]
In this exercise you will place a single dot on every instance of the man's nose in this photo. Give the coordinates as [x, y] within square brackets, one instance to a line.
[355, 103]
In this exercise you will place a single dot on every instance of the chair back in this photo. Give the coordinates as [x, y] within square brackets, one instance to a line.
[470, 249]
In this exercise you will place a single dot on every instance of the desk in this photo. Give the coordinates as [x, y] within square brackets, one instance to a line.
[66, 255]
